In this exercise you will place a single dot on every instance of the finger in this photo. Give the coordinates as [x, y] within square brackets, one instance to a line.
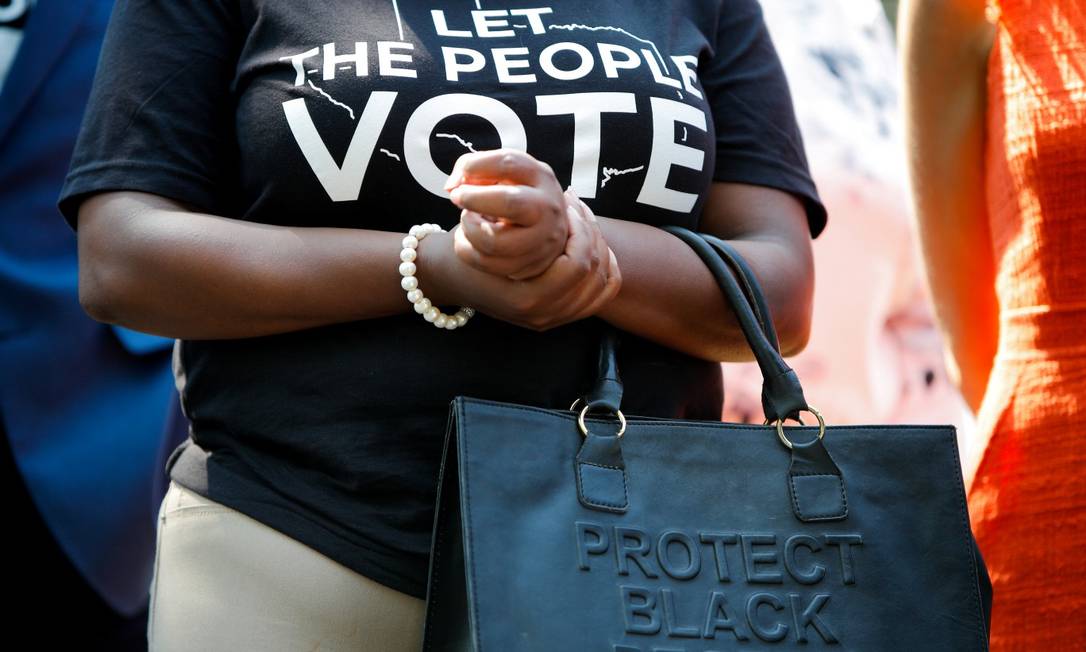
[602, 286]
[456, 177]
[501, 267]
[608, 292]
[506, 166]
[595, 289]
[585, 210]
[576, 279]
[481, 231]
[467, 247]
[523, 205]
[497, 166]
[603, 251]
[507, 239]
[512, 269]
[582, 208]
[532, 268]
[574, 202]
[570, 269]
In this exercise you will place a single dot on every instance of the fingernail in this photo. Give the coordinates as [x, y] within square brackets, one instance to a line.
[456, 177]
[454, 195]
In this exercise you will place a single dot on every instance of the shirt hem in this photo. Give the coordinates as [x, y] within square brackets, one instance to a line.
[382, 567]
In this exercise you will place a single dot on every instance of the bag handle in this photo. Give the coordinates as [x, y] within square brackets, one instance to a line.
[751, 290]
[749, 284]
[815, 482]
[782, 394]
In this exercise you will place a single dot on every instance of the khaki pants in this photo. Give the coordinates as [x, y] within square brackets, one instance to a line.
[224, 582]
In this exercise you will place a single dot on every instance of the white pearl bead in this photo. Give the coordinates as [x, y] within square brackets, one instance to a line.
[408, 268]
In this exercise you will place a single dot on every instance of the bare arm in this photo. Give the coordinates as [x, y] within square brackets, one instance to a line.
[149, 263]
[152, 264]
[667, 293]
[945, 47]
[669, 296]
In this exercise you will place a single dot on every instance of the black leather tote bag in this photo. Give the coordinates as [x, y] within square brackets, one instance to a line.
[591, 530]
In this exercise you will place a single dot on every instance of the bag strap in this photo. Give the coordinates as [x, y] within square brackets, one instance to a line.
[782, 394]
[815, 482]
[749, 284]
[751, 289]
[606, 394]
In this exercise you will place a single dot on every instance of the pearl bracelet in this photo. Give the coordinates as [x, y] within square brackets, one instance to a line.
[410, 283]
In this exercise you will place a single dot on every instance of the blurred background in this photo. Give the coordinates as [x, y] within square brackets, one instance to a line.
[875, 354]
[891, 10]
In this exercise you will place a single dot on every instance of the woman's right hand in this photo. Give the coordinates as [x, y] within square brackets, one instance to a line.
[577, 284]
[513, 218]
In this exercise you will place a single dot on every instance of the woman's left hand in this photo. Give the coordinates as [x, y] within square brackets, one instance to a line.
[514, 218]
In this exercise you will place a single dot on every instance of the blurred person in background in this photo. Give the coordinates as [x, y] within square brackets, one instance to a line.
[875, 354]
[82, 405]
[996, 118]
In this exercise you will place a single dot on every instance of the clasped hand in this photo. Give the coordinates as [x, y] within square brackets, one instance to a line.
[538, 255]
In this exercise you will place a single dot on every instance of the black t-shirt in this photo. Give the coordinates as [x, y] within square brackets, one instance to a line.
[348, 113]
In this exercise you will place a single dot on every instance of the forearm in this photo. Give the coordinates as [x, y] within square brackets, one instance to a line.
[148, 264]
[669, 296]
[945, 47]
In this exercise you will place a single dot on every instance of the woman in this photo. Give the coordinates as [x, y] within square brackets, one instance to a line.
[997, 120]
[244, 182]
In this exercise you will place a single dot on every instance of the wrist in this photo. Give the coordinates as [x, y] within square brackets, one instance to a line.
[436, 269]
[427, 306]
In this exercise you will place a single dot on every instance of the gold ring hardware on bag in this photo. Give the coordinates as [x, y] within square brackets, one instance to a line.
[584, 428]
[780, 426]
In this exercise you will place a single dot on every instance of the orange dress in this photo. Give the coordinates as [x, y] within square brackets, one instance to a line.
[1028, 501]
